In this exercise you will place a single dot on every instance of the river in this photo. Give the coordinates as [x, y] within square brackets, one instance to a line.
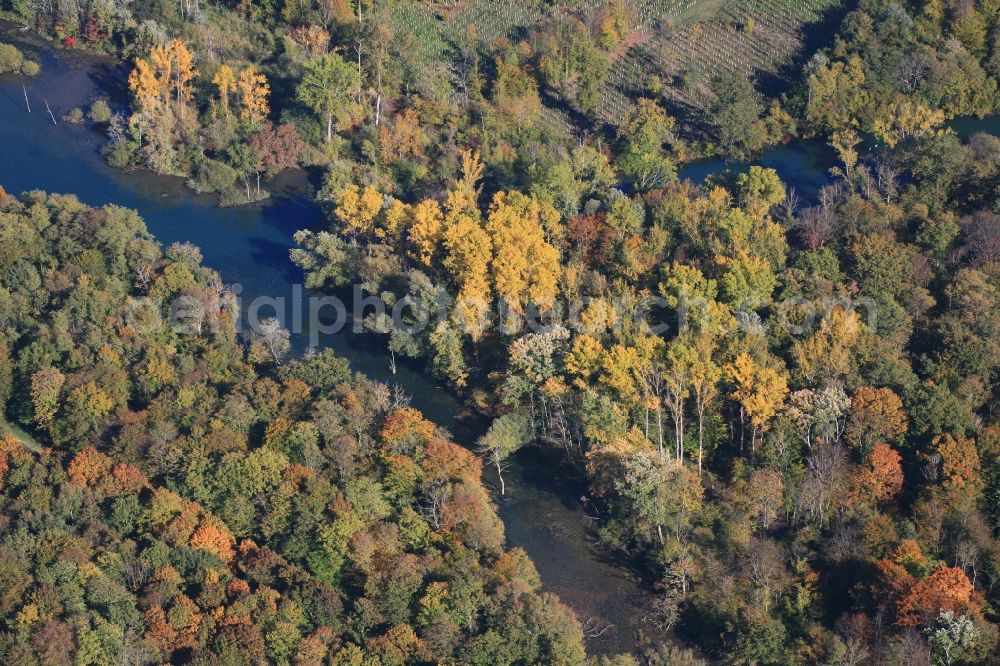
[249, 246]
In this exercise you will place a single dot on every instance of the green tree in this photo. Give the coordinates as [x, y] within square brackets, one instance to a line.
[642, 137]
[6, 375]
[506, 435]
[324, 258]
[736, 117]
[661, 492]
[327, 86]
[951, 638]
[246, 162]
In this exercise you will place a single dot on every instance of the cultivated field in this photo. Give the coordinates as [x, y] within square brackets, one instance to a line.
[684, 44]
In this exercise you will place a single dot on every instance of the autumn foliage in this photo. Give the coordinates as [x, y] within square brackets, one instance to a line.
[88, 466]
[881, 477]
[945, 589]
[214, 539]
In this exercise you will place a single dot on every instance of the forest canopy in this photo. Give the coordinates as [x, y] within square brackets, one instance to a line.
[802, 465]
[187, 500]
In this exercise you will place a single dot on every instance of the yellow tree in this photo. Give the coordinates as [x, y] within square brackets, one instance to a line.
[170, 67]
[836, 94]
[525, 267]
[145, 86]
[459, 229]
[357, 208]
[183, 71]
[828, 353]
[468, 255]
[254, 91]
[162, 62]
[225, 81]
[654, 382]
[759, 390]
[394, 221]
[905, 119]
[584, 359]
[404, 138]
[463, 195]
[619, 366]
[845, 142]
[426, 227]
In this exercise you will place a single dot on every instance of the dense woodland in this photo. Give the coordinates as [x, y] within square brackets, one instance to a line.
[805, 467]
[197, 504]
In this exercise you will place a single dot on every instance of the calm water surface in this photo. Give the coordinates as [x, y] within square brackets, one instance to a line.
[803, 166]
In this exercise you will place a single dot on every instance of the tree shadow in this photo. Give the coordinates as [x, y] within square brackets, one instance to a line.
[815, 36]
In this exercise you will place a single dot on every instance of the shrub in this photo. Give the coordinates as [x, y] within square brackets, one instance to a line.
[119, 154]
[237, 196]
[74, 116]
[10, 58]
[213, 176]
[100, 111]
[30, 68]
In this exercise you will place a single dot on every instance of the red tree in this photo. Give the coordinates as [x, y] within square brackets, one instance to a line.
[591, 236]
[279, 147]
[946, 589]
[881, 478]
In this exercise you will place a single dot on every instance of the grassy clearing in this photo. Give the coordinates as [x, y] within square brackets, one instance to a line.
[29, 442]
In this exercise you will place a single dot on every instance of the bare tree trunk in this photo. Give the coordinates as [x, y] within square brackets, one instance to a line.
[680, 432]
[360, 83]
[378, 95]
[531, 395]
[743, 429]
[701, 434]
[503, 486]
[659, 427]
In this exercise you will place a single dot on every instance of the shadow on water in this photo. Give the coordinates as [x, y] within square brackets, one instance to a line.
[802, 165]
[545, 511]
